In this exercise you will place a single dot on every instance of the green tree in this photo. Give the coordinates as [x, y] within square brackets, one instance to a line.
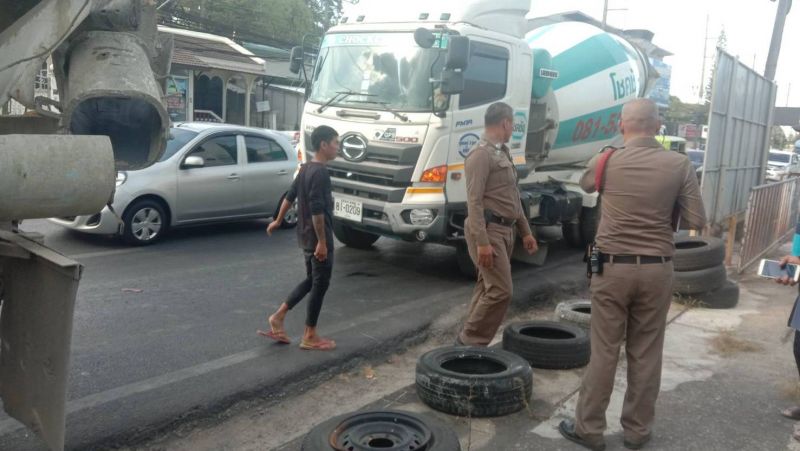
[684, 113]
[325, 13]
[722, 43]
[777, 139]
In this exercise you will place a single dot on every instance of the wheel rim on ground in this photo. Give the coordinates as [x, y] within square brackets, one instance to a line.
[146, 224]
[381, 431]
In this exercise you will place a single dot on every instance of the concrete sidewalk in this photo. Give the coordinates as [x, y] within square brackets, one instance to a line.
[727, 373]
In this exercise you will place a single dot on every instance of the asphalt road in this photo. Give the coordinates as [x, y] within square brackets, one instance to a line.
[169, 329]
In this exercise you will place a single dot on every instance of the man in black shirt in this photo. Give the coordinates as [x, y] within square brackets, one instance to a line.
[312, 190]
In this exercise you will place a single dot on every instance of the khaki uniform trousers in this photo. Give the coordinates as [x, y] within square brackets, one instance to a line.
[493, 288]
[629, 301]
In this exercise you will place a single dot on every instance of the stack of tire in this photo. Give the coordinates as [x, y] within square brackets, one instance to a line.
[700, 275]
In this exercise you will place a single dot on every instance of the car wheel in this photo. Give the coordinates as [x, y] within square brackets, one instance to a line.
[381, 430]
[145, 222]
[291, 217]
[700, 281]
[696, 253]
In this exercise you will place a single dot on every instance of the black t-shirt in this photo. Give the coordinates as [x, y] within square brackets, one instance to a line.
[312, 189]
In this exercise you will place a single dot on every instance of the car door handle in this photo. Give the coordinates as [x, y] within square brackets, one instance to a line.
[233, 177]
[283, 172]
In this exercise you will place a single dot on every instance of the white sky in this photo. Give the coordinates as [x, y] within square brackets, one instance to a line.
[679, 26]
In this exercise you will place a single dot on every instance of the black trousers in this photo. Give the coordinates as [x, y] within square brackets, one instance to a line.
[318, 279]
[797, 350]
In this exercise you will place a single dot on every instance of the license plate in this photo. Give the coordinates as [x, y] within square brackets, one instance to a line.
[347, 209]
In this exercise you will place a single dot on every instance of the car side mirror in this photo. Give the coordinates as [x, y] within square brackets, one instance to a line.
[296, 60]
[193, 161]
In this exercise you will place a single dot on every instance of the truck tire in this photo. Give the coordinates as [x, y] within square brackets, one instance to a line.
[590, 221]
[700, 281]
[465, 264]
[548, 345]
[723, 298]
[578, 312]
[390, 429]
[351, 237]
[474, 382]
[695, 253]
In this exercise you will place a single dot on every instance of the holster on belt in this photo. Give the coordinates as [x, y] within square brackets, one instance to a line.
[594, 260]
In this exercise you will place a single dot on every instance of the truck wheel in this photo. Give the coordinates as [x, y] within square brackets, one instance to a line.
[590, 220]
[474, 382]
[351, 237]
[695, 253]
[701, 281]
[465, 264]
[573, 235]
[145, 223]
[724, 298]
[381, 430]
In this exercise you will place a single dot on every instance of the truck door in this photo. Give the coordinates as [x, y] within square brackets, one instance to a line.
[485, 82]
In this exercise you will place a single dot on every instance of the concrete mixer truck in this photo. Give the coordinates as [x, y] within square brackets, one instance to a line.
[407, 89]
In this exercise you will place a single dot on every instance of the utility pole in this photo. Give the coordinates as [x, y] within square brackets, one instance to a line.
[605, 14]
[705, 56]
[777, 36]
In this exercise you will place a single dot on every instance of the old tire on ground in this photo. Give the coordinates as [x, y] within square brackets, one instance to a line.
[695, 253]
[723, 298]
[145, 222]
[577, 312]
[389, 429]
[700, 281]
[476, 382]
[351, 237]
[465, 264]
[590, 221]
[548, 344]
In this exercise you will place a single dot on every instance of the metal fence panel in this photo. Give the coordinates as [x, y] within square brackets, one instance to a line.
[738, 140]
[772, 211]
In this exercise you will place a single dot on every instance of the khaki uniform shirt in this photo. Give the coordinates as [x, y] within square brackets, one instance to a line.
[643, 185]
[492, 185]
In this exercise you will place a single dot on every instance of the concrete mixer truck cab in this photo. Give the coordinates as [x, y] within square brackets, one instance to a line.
[407, 91]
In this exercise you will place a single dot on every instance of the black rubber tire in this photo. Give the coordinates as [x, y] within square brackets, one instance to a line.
[465, 264]
[723, 298]
[563, 346]
[351, 237]
[574, 312]
[700, 281]
[443, 438]
[572, 234]
[505, 387]
[128, 217]
[590, 221]
[291, 218]
[695, 253]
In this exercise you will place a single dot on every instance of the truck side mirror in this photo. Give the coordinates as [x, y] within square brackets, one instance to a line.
[457, 53]
[296, 60]
[424, 38]
[452, 82]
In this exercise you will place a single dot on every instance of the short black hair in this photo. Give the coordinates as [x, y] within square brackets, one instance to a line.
[321, 134]
[497, 112]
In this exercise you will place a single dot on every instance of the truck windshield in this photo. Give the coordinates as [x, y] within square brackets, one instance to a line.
[375, 70]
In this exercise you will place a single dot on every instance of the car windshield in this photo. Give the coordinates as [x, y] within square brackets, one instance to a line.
[375, 69]
[696, 156]
[780, 158]
[178, 138]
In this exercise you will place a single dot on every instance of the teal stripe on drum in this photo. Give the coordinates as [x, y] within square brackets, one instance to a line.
[591, 56]
[569, 135]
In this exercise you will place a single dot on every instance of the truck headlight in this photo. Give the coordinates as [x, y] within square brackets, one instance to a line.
[421, 216]
[121, 177]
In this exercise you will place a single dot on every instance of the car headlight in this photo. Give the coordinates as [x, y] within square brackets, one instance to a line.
[121, 177]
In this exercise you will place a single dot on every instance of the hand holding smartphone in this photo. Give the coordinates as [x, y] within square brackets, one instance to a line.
[772, 269]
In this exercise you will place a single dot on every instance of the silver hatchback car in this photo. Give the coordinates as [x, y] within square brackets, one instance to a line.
[209, 173]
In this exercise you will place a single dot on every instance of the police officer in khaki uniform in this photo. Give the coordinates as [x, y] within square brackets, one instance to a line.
[493, 212]
[642, 187]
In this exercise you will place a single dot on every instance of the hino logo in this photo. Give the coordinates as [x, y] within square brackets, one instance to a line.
[354, 148]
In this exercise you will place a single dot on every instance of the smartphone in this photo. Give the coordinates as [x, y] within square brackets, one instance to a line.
[771, 269]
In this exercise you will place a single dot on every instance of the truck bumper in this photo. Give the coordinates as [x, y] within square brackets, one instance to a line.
[393, 219]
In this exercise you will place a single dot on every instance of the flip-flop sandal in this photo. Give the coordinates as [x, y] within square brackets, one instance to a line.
[280, 337]
[792, 413]
[323, 344]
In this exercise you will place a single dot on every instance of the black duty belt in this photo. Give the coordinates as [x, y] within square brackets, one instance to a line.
[493, 218]
[635, 259]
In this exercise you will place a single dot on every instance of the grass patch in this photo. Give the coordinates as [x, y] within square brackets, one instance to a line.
[687, 301]
[727, 344]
